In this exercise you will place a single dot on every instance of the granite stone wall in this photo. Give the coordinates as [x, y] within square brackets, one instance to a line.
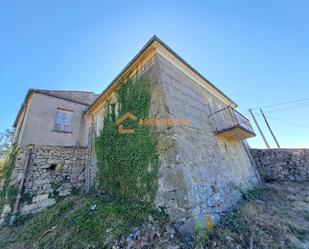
[282, 164]
[53, 172]
[200, 175]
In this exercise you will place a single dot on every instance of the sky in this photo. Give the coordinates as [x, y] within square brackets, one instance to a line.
[256, 52]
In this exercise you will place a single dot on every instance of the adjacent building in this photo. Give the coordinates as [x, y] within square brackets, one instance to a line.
[203, 164]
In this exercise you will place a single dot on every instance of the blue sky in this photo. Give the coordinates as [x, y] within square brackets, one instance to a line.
[257, 52]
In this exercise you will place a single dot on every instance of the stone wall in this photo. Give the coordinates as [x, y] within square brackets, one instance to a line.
[53, 172]
[200, 175]
[282, 164]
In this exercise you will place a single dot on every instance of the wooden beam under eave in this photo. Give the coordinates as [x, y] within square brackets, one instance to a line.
[121, 79]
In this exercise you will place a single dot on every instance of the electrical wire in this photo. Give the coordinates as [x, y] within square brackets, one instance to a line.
[288, 122]
[282, 103]
[293, 107]
[286, 108]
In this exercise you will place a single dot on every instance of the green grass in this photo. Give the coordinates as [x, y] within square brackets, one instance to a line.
[268, 220]
[73, 224]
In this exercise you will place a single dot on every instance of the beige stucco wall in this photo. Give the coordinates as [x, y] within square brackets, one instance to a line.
[38, 126]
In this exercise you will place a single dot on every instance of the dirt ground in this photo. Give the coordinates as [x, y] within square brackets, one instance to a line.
[273, 216]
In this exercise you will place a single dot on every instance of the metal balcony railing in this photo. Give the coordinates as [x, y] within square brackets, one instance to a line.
[229, 119]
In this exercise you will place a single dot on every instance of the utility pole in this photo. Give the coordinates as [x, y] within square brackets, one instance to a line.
[257, 125]
[270, 128]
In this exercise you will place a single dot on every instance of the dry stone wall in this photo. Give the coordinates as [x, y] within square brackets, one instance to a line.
[53, 172]
[282, 164]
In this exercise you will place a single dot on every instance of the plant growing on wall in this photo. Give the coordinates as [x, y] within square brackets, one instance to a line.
[128, 163]
[7, 192]
[6, 139]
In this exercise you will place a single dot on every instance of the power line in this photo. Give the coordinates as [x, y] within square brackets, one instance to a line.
[282, 103]
[287, 108]
[289, 123]
[293, 107]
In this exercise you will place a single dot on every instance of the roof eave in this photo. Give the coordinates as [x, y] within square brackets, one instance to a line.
[139, 54]
[30, 91]
[194, 70]
[22, 107]
[135, 58]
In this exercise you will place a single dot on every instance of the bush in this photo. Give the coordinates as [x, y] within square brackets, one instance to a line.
[7, 192]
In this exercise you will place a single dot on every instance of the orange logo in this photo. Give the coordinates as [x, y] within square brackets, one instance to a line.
[121, 129]
[209, 223]
[150, 121]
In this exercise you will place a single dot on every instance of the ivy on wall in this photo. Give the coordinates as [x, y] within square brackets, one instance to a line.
[127, 163]
[7, 192]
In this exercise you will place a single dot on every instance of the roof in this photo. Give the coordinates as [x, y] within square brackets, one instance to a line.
[78, 97]
[140, 54]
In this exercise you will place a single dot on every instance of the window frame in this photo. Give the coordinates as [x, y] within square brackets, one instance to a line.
[65, 126]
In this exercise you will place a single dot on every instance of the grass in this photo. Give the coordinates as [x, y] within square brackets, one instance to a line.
[273, 216]
[77, 222]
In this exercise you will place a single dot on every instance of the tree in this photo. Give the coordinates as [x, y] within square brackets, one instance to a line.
[6, 139]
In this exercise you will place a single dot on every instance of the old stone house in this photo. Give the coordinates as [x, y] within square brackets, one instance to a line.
[52, 125]
[203, 164]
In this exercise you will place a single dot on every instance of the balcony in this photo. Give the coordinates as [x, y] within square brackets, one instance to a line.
[230, 124]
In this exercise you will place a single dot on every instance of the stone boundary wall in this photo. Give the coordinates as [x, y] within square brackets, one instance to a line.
[282, 164]
[53, 172]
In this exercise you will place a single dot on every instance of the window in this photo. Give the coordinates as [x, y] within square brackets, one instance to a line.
[113, 112]
[63, 121]
[98, 125]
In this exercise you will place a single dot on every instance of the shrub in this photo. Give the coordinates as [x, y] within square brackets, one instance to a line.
[7, 192]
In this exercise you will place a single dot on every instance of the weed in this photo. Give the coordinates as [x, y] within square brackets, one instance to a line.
[8, 192]
[203, 235]
[73, 223]
[301, 233]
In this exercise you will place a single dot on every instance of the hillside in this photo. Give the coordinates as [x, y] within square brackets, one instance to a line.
[273, 216]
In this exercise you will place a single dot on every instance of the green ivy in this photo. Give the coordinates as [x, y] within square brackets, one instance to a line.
[26, 198]
[11, 194]
[7, 192]
[128, 163]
